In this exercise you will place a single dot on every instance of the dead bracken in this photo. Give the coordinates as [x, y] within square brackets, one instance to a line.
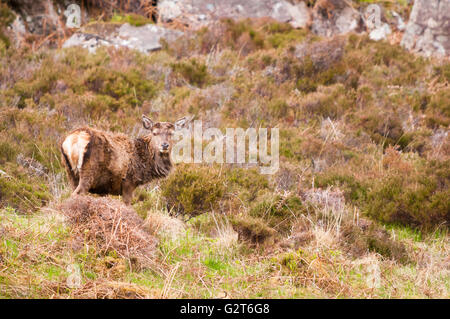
[110, 226]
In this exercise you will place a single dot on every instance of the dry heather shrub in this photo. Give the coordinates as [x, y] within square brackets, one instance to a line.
[110, 226]
[322, 54]
[253, 230]
[364, 237]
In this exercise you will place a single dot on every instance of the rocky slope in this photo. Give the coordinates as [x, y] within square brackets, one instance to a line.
[427, 29]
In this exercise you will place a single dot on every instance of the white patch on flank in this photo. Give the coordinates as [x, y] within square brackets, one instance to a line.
[75, 146]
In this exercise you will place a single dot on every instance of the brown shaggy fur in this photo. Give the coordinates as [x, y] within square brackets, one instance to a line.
[114, 163]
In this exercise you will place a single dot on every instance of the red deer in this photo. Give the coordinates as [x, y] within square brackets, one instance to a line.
[105, 163]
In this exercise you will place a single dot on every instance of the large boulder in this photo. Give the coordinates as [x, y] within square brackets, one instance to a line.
[198, 13]
[428, 28]
[145, 38]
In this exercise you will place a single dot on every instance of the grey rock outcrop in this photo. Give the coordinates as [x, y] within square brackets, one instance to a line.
[145, 38]
[428, 28]
[198, 13]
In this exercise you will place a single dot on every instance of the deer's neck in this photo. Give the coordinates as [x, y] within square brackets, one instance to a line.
[148, 164]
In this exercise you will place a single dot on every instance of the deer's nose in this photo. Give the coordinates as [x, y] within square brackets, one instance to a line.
[165, 146]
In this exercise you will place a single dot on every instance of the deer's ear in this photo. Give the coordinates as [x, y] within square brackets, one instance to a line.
[147, 122]
[183, 122]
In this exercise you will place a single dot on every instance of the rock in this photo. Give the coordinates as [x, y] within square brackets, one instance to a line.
[401, 26]
[198, 13]
[145, 38]
[297, 15]
[33, 166]
[39, 17]
[380, 33]
[47, 16]
[168, 10]
[86, 40]
[332, 17]
[428, 28]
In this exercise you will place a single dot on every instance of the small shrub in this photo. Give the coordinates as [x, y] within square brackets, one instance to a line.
[253, 230]
[278, 108]
[248, 184]
[132, 18]
[131, 87]
[193, 71]
[421, 205]
[6, 17]
[384, 129]
[367, 236]
[193, 190]
[439, 102]
[7, 152]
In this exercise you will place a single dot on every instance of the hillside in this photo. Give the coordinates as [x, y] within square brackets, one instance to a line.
[359, 207]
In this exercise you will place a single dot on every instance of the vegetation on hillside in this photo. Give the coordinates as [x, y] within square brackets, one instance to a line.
[359, 207]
